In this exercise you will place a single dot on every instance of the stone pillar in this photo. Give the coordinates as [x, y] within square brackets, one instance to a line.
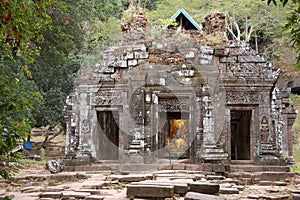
[291, 116]
[210, 151]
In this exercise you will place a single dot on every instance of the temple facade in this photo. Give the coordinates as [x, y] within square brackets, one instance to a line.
[186, 95]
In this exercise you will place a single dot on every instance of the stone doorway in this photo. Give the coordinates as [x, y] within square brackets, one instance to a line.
[240, 123]
[108, 135]
[173, 138]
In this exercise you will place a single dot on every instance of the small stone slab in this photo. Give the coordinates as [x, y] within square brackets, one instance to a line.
[53, 195]
[204, 187]
[265, 182]
[94, 197]
[152, 191]
[179, 188]
[295, 196]
[93, 184]
[239, 187]
[77, 195]
[229, 191]
[200, 196]
[214, 177]
[280, 183]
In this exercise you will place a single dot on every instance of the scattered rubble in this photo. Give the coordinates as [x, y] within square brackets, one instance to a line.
[164, 184]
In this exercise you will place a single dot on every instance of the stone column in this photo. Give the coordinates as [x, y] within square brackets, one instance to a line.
[210, 151]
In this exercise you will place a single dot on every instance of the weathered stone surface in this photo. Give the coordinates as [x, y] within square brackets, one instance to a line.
[146, 191]
[53, 195]
[265, 183]
[279, 183]
[134, 178]
[295, 196]
[231, 59]
[228, 190]
[199, 196]
[94, 197]
[180, 186]
[93, 184]
[204, 187]
[76, 195]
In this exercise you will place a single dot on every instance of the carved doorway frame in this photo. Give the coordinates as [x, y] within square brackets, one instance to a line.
[252, 129]
[121, 135]
[184, 97]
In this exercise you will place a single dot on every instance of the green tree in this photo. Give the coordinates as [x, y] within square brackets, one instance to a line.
[21, 26]
[292, 25]
[79, 30]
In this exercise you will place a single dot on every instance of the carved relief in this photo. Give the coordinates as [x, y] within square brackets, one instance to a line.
[264, 128]
[173, 105]
[241, 98]
[85, 126]
[108, 98]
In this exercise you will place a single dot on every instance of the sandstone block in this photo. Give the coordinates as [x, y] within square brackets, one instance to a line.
[295, 196]
[199, 196]
[229, 190]
[231, 59]
[254, 59]
[141, 55]
[218, 168]
[139, 47]
[53, 195]
[207, 50]
[76, 195]
[204, 187]
[149, 191]
[132, 62]
[94, 197]
[207, 167]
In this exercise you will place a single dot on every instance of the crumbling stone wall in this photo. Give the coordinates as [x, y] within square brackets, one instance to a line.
[142, 79]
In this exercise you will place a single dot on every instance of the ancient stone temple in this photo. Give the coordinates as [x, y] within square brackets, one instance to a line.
[187, 94]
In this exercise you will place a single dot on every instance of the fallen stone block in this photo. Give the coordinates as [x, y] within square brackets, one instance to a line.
[149, 191]
[280, 183]
[204, 187]
[135, 178]
[53, 195]
[229, 190]
[76, 195]
[93, 184]
[295, 196]
[94, 197]
[179, 187]
[200, 196]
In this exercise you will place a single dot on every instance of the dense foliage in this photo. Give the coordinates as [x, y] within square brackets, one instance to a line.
[292, 25]
[21, 26]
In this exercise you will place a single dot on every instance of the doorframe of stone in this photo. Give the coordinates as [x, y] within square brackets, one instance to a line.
[254, 133]
[192, 114]
[120, 110]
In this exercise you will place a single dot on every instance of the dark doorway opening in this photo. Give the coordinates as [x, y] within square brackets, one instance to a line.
[108, 135]
[240, 135]
[174, 134]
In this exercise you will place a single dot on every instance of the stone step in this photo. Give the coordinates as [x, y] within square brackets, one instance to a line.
[200, 196]
[256, 168]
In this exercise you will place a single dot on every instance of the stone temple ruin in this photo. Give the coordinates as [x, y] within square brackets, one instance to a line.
[189, 94]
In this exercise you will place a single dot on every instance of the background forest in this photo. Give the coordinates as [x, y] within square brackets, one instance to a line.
[45, 44]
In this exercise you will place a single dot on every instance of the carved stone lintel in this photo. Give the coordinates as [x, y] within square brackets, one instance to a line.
[108, 98]
[173, 105]
[242, 97]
